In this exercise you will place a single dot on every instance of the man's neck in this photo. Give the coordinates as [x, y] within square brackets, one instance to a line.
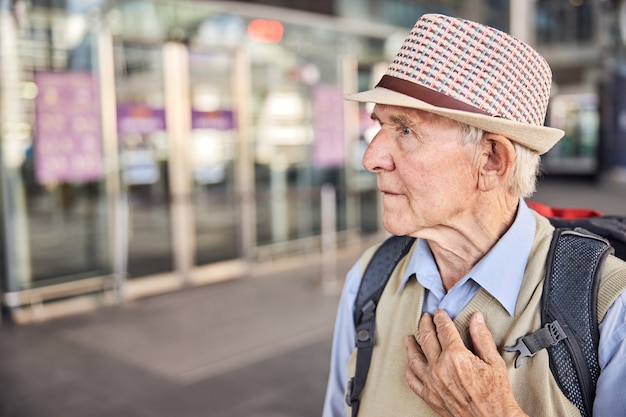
[458, 247]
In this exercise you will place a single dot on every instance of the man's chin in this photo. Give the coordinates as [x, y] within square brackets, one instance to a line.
[394, 229]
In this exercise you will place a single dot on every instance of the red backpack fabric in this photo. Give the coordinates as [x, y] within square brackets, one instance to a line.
[563, 213]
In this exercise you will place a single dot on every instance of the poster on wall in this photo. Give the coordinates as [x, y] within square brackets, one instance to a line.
[68, 141]
[329, 149]
[139, 119]
[139, 128]
[216, 119]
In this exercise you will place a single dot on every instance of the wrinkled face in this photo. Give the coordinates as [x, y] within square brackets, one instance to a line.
[427, 176]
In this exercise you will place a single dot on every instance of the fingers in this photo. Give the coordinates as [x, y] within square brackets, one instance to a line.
[415, 362]
[451, 379]
[438, 333]
[447, 333]
[484, 345]
[428, 339]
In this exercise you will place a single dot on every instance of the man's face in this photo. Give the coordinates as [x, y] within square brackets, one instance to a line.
[427, 176]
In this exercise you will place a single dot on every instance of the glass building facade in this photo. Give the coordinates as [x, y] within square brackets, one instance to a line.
[148, 145]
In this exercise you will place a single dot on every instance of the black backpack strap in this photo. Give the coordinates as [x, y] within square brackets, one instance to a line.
[371, 288]
[570, 298]
[611, 228]
[568, 315]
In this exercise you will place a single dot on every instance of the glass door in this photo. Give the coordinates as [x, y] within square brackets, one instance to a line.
[54, 201]
[213, 149]
[144, 153]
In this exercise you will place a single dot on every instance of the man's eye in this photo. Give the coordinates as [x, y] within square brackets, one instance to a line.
[406, 131]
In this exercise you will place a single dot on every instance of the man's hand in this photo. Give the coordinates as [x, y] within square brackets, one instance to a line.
[450, 378]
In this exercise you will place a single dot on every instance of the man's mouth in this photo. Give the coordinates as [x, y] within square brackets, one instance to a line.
[387, 192]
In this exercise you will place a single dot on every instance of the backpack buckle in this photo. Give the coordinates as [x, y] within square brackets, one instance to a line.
[349, 391]
[526, 346]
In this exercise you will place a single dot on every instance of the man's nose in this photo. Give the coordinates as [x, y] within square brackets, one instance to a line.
[377, 157]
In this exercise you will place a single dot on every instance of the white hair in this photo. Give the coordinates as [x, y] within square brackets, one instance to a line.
[522, 181]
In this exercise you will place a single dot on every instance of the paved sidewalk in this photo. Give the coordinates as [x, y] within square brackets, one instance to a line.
[254, 346]
[251, 347]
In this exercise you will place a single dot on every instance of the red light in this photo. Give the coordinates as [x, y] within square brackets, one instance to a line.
[260, 30]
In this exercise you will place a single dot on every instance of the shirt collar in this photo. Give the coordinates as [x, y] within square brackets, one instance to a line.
[500, 272]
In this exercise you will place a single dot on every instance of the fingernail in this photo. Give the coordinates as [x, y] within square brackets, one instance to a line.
[479, 317]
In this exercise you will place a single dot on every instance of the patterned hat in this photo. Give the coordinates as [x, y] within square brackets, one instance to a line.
[474, 74]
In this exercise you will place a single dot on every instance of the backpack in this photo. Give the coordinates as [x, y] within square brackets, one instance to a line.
[569, 329]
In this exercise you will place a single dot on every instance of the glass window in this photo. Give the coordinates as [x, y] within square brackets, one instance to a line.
[213, 151]
[55, 207]
[300, 142]
[564, 21]
[578, 115]
[144, 155]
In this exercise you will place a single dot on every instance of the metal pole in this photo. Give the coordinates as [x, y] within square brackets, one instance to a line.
[329, 238]
[242, 87]
[117, 200]
[178, 96]
[521, 20]
[12, 142]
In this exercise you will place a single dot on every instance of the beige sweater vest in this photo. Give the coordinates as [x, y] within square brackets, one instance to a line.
[386, 392]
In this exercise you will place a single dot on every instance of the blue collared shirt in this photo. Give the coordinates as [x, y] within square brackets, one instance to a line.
[508, 257]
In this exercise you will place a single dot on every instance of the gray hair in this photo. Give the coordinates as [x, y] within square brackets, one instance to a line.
[522, 181]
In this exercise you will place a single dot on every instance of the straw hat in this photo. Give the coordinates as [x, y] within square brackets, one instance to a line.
[474, 74]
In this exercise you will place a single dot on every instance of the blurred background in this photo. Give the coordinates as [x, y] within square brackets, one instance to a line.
[159, 156]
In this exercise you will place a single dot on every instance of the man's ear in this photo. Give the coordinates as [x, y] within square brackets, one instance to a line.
[497, 157]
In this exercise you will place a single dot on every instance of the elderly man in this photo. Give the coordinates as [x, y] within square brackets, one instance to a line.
[461, 112]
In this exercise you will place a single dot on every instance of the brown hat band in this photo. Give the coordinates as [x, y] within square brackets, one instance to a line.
[426, 94]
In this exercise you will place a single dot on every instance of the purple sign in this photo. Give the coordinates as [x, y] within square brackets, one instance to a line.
[68, 142]
[136, 124]
[329, 149]
[139, 119]
[218, 119]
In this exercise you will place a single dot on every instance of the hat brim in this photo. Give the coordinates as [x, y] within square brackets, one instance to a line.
[537, 138]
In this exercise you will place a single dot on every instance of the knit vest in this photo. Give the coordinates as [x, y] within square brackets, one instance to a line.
[386, 392]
